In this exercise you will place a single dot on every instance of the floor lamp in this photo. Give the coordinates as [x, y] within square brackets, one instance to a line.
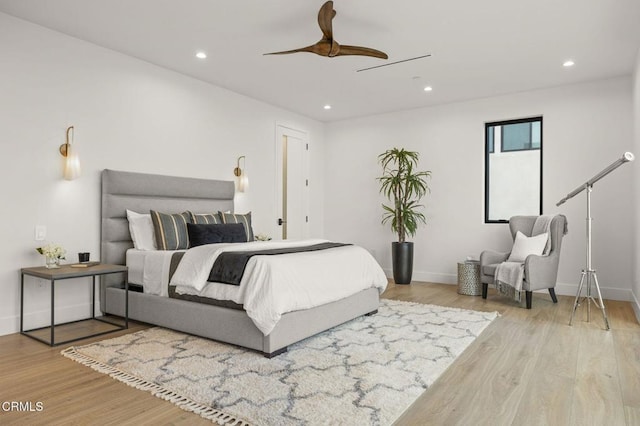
[588, 275]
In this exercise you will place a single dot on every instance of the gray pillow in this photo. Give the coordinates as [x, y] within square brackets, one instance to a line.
[203, 218]
[244, 219]
[171, 230]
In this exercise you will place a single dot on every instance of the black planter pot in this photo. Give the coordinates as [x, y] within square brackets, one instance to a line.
[402, 259]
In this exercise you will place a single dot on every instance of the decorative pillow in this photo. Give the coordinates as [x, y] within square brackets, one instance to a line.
[244, 219]
[171, 230]
[141, 229]
[205, 218]
[200, 234]
[524, 246]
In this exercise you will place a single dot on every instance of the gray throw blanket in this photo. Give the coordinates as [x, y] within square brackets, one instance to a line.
[508, 279]
[229, 266]
[540, 226]
[510, 275]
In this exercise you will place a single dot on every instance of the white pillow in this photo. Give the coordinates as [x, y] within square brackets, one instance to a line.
[141, 229]
[524, 246]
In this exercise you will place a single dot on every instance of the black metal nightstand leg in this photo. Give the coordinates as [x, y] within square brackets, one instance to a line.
[126, 299]
[93, 297]
[53, 319]
[21, 303]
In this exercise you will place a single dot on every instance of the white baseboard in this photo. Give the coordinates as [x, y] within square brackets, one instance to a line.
[430, 277]
[609, 293]
[636, 306]
[11, 325]
[434, 277]
[563, 289]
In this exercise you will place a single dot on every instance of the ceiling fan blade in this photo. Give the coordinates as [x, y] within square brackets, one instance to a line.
[286, 52]
[361, 51]
[325, 16]
[322, 48]
[393, 63]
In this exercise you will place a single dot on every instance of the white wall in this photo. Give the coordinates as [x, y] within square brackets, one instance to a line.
[586, 127]
[636, 187]
[128, 115]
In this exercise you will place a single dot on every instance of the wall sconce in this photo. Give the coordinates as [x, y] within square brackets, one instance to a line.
[242, 181]
[71, 162]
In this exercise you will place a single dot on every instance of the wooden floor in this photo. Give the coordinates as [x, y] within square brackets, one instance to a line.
[527, 368]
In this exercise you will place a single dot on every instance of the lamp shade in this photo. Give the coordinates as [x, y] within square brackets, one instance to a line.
[243, 182]
[71, 164]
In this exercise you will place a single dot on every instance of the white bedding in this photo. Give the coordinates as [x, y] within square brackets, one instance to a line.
[274, 285]
[150, 269]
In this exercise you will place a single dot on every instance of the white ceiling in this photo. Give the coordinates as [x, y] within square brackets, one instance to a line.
[478, 48]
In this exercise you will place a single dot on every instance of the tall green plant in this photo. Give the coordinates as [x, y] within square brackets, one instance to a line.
[404, 187]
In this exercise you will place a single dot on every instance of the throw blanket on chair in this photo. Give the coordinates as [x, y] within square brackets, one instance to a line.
[540, 226]
[509, 276]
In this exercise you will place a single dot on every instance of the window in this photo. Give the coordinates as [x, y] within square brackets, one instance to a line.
[513, 169]
[520, 136]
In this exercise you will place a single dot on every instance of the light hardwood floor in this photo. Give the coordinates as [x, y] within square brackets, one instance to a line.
[527, 368]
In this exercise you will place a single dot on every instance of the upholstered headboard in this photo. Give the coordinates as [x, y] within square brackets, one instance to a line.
[142, 192]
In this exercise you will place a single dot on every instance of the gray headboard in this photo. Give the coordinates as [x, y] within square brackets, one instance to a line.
[142, 192]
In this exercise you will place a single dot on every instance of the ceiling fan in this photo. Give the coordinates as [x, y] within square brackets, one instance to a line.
[327, 46]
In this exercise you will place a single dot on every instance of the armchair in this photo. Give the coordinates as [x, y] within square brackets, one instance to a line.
[540, 272]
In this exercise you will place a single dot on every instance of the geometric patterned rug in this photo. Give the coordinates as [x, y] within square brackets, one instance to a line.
[366, 371]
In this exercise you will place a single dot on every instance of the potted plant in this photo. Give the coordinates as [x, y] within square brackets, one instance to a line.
[404, 187]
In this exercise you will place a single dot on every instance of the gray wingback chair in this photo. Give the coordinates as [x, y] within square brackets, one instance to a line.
[540, 272]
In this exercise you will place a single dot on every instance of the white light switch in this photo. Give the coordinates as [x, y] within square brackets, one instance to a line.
[41, 232]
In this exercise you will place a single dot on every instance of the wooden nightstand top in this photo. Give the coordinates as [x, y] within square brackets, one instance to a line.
[67, 271]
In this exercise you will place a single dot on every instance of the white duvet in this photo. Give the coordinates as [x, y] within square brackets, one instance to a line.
[274, 285]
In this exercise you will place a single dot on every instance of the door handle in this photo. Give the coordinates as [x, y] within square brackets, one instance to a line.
[280, 221]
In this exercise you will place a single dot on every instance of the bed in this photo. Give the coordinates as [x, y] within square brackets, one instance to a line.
[122, 191]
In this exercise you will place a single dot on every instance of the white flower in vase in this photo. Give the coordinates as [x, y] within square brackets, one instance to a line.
[52, 253]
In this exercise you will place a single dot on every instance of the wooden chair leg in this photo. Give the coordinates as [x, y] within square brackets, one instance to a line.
[529, 296]
[485, 288]
[552, 293]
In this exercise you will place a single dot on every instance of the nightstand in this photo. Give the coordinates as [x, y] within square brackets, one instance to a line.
[68, 272]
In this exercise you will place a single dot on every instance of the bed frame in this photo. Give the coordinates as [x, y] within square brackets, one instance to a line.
[142, 192]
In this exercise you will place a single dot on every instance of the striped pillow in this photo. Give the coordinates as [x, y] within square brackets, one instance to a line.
[244, 219]
[171, 230]
[205, 218]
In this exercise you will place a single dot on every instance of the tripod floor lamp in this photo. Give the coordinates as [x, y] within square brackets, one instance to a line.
[588, 276]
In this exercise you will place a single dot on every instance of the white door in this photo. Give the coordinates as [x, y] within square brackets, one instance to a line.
[292, 183]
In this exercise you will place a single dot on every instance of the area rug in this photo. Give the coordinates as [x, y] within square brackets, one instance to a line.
[367, 371]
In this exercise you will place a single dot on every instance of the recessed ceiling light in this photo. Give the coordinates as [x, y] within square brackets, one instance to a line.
[568, 63]
[428, 89]
[201, 55]
[327, 107]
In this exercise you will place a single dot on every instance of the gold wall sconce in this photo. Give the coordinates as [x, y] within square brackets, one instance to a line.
[71, 168]
[242, 181]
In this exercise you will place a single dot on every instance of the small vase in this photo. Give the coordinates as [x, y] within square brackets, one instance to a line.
[51, 262]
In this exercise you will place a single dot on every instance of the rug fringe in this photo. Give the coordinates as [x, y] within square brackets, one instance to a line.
[184, 403]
